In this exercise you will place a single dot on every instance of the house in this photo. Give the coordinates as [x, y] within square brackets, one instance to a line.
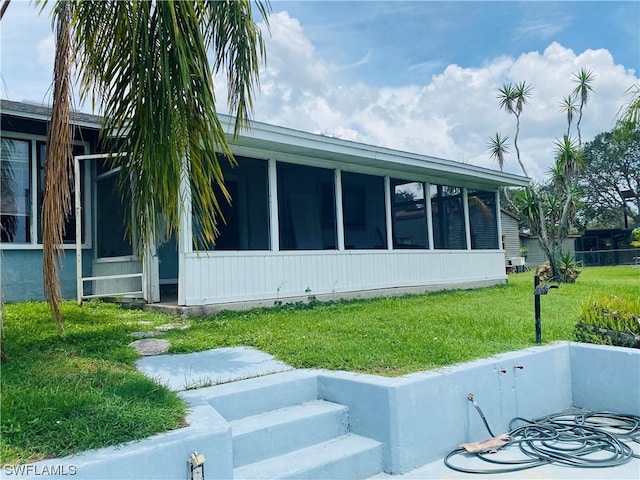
[311, 215]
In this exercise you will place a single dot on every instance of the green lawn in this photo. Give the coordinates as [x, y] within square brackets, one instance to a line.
[63, 394]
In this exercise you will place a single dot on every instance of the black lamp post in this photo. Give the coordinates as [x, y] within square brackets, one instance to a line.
[626, 195]
[538, 290]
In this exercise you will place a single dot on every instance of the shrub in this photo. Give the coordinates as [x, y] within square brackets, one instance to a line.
[568, 270]
[609, 320]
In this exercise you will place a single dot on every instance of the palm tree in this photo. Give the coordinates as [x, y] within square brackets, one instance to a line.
[583, 78]
[146, 64]
[499, 148]
[512, 100]
[630, 113]
[568, 105]
[568, 158]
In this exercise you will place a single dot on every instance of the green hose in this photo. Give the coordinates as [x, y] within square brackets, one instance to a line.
[582, 439]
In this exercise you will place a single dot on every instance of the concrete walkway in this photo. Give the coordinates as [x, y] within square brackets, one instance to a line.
[201, 369]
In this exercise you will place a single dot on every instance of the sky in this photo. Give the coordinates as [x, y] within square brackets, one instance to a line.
[418, 76]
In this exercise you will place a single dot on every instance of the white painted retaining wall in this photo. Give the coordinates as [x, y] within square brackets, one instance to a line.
[418, 417]
[224, 277]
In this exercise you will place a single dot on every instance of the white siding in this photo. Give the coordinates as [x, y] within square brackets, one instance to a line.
[510, 236]
[122, 266]
[213, 278]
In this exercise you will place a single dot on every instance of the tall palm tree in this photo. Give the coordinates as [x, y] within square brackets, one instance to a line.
[146, 65]
[583, 78]
[568, 106]
[499, 148]
[512, 99]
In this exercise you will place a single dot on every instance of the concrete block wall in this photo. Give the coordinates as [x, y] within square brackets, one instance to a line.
[21, 274]
[605, 378]
[419, 417]
[161, 457]
[422, 416]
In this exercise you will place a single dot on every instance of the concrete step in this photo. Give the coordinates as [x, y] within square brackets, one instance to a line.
[245, 398]
[345, 457]
[281, 431]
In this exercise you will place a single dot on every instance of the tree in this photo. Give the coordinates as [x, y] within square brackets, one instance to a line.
[568, 106]
[630, 112]
[145, 64]
[548, 209]
[583, 78]
[512, 100]
[610, 180]
[499, 148]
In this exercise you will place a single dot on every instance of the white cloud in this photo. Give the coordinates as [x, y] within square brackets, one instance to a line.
[45, 51]
[451, 116]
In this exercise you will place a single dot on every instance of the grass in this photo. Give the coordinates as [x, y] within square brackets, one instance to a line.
[64, 394]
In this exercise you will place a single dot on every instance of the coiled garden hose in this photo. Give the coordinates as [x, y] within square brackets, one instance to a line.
[577, 438]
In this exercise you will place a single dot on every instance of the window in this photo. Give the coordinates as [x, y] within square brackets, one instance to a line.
[70, 224]
[448, 218]
[482, 220]
[245, 221]
[363, 211]
[409, 215]
[306, 205]
[21, 206]
[15, 190]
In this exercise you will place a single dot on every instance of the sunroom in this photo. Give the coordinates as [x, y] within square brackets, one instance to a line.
[318, 216]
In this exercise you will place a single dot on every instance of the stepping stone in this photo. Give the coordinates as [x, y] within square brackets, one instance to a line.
[147, 334]
[151, 346]
[199, 369]
[172, 326]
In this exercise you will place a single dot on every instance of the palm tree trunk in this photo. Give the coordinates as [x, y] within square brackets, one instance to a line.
[578, 125]
[515, 144]
[56, 203]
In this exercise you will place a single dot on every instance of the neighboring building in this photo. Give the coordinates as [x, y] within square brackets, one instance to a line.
[611, 246]
[312, 215]
[535, 254]
[510, 234]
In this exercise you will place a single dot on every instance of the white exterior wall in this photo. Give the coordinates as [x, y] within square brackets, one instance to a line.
[226, 277]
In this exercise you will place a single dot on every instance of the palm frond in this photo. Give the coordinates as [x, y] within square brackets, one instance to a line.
[522, 93]
[629, 114]
[146, 63]
[568, 106]
[498, 147]
[584, 77]
[56, 203]
[507, 97]
[569, 159]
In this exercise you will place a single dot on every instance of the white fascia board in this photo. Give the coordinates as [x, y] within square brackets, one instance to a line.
[271, 138]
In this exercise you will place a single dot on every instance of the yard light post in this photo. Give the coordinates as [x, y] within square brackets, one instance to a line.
[537, 291]
[626, 195]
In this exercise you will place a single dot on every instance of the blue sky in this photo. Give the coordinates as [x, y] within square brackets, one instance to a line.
[393, 43]
[418, 76]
